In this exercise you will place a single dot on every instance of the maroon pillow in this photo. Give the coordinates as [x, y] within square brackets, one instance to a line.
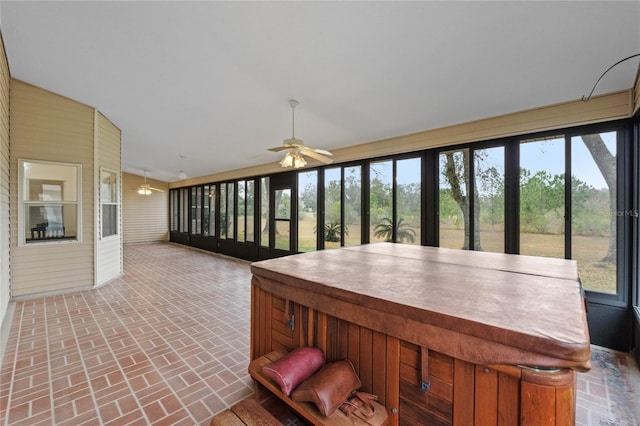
[294, 368]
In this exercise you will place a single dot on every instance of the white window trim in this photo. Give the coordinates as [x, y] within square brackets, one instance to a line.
[22, 242]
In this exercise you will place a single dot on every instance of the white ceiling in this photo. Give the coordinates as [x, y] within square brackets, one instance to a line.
[203, 86]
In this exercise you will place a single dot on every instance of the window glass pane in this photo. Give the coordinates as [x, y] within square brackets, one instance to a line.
[223, 210]
[381, 201]
[173, 197]
[48, 222]
[453, 201]
[240, 218]
[209, 223]
[489, 199]
[109, 219]
[196, 210]
[332, 205]
[184, 209]
[542, 207]
[352, 205]
[283, 216]
[307, 210]
[264, 212]
[249, 207]
[109, 202]
[594, 210]
[49, 201]
[230, 210]
[409, 200]
[50, 182]
[108, 187]
[283, 233]
[283, 204]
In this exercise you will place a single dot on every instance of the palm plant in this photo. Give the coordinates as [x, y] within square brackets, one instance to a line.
[332, 232]
[402, 229]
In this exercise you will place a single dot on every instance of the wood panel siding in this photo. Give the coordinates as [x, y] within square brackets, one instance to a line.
[603, 108]
[108, 155]
[5, 259]
[145, 217]
[49, 127]
[636, 94]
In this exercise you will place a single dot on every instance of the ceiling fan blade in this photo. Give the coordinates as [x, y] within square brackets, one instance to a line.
[313, 154]
[279, 148]
[323, 152]
[155, 189]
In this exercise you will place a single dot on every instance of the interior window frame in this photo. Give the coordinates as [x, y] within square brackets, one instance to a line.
[23, 204]
[115, 203]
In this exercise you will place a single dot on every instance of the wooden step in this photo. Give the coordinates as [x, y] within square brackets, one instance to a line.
[245, 413]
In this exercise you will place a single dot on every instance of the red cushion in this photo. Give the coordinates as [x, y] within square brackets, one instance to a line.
[294, 368]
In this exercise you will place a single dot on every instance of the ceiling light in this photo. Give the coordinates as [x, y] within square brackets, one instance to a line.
[287, 161]
[144, 191]
[298, 161]
[293, 158]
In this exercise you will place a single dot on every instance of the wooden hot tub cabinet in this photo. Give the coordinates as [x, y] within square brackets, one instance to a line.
[443, 337]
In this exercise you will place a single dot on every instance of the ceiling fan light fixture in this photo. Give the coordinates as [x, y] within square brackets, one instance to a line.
[293, 159]
[145, 188]
[295, 147]
[298, 161]
[287, 161]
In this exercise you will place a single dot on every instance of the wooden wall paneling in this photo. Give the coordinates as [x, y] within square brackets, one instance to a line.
[353, 352]
[379, 366]
[486, 396]
[366, 359]
[440, 368]
[636, 93]
[299, 325]
[463, 392]
[435, 404]
[331, 338]
[392, 397]
[412, 414]
[267, 300]
[281, 334]
[262, 322]
[342, 350]
[253, 341]
[321, 332]
[311, 326]
[508, 399]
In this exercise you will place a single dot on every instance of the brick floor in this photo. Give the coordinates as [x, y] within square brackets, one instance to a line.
[168, 343]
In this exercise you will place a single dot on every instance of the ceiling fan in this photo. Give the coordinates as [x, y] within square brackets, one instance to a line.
[296, 148]
[145, 188]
